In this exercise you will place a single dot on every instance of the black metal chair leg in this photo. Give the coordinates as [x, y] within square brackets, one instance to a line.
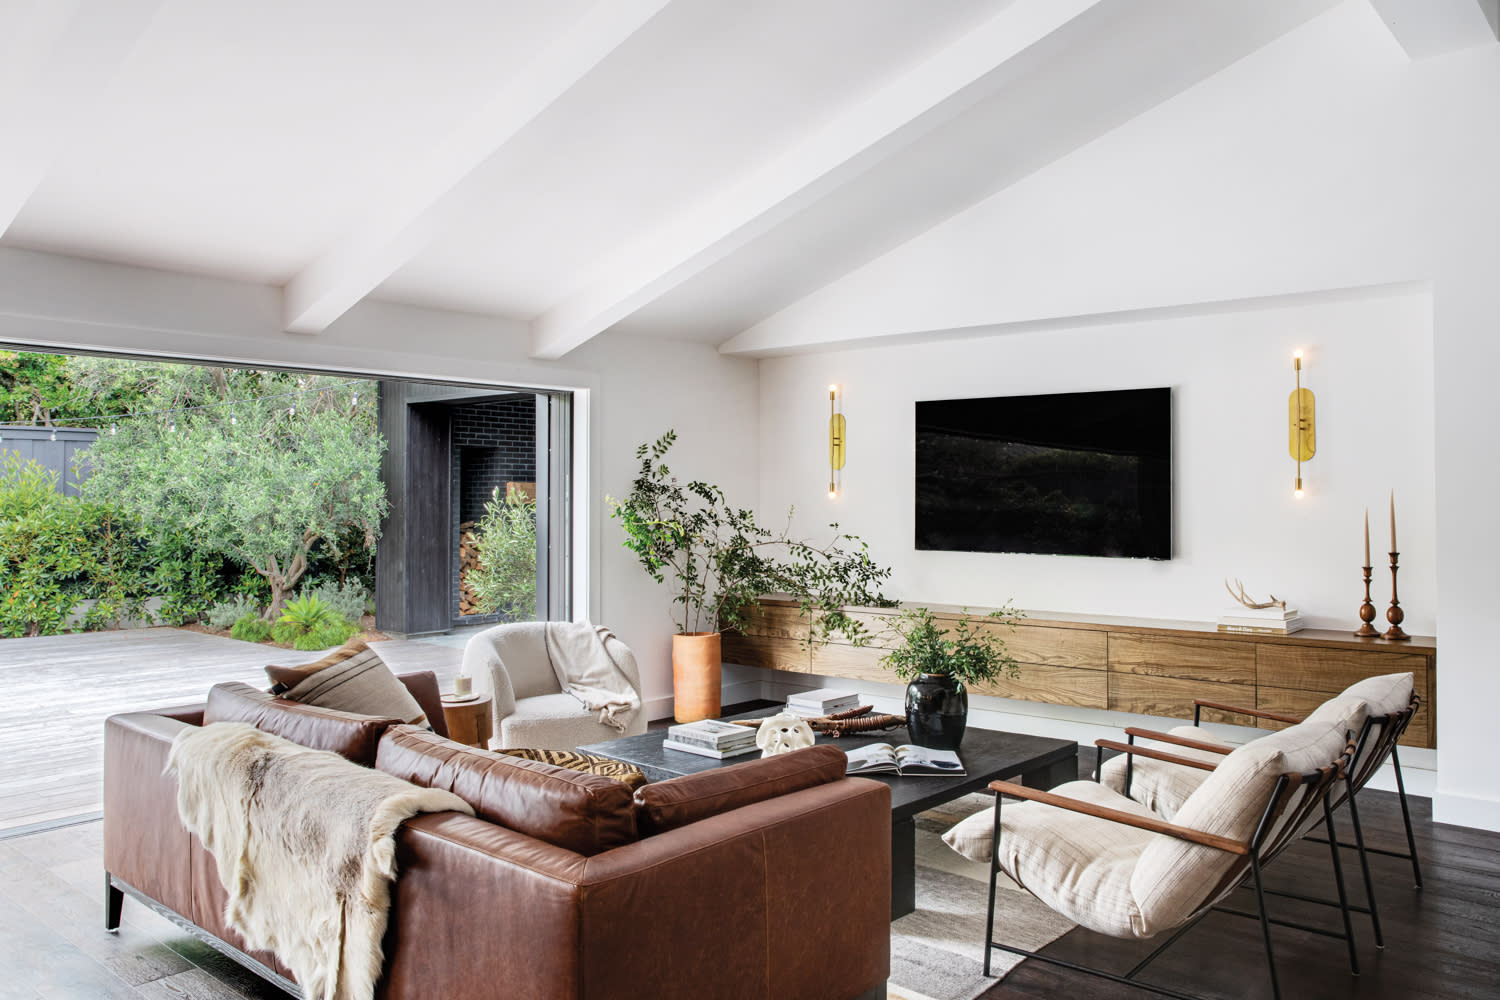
[1265, 926]
[1364, 864]
[1338, 878]
[114, 899]
[989, 919]
[1411, 842]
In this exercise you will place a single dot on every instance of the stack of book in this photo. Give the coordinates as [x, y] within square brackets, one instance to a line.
[711, 738]
[823, 701]
[1265, 621]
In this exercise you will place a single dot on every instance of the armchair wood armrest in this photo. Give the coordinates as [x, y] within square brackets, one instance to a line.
[1121, 816]
[1181, 741]
[1140, 751]
[1237, 710]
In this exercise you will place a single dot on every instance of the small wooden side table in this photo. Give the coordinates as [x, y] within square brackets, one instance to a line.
[470, 722]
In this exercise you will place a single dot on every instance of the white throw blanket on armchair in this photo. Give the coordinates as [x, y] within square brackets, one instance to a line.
[586, 670]
[305, 843]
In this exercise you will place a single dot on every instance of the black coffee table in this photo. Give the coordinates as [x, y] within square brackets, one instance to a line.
[1040, 762]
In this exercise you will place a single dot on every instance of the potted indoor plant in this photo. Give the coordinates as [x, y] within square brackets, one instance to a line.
[939, 662]
[720, 561]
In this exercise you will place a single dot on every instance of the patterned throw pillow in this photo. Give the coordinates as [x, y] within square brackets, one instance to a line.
[352, 678]
[585, 762]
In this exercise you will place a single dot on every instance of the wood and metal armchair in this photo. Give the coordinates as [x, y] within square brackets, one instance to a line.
[1114, 867]
[1163, 784]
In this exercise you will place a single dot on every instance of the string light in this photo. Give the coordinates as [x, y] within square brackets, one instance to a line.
[53, 435]
[113, 430]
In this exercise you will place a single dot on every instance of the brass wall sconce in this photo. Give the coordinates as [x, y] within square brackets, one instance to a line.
[1302, 424]
[837, 435]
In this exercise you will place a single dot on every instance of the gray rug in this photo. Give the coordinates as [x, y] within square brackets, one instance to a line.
[937, 951]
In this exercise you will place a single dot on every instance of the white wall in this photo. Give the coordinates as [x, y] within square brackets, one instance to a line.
[635, 388]
[1234, 513]
[1327, 160]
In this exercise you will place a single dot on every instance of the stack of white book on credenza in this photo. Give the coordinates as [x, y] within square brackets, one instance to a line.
[711, 738]
[823, 701]
[1265, 621]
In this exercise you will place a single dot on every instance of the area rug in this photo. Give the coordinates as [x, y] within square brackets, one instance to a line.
[937, 951]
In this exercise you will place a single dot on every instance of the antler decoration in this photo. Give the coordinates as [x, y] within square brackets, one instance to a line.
[1248, 602]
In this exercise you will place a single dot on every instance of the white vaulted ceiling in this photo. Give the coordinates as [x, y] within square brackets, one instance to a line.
[679, 168]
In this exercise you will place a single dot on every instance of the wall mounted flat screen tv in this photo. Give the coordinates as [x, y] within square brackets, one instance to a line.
[1074, 473]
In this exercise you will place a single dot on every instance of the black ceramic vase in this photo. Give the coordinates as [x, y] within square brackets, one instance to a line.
[937, 709]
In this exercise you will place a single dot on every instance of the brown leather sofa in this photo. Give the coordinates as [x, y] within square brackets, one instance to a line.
[766, 879]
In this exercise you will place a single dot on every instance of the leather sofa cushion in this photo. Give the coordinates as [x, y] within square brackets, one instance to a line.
[354, 737]
[583, 813]
[667, 805]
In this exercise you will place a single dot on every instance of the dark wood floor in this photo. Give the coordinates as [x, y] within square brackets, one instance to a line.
[1440, 941]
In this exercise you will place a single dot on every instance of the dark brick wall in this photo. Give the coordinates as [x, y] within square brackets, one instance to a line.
[494, 443]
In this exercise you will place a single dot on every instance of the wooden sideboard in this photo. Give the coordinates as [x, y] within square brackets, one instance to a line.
[1124, 664]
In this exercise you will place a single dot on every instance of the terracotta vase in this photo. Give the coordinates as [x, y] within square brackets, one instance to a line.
[696, 681]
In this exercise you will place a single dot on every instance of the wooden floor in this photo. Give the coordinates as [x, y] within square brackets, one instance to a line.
[59, 689]
[1442, 940]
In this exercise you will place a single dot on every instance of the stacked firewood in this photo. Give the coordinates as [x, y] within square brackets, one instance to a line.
[468, 558]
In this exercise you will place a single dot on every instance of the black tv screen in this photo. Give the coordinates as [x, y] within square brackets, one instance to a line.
[1073, 473]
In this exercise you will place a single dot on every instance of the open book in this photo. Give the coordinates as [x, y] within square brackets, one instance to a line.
[903, 760]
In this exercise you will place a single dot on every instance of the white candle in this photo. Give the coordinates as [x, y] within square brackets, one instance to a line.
[1393, 522]
[462, 685]
[1367, 536]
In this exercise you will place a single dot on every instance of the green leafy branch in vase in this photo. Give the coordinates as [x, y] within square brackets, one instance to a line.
[971, 651]
[720, 560]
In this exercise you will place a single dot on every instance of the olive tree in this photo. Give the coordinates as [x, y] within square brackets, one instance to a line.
[263, 467]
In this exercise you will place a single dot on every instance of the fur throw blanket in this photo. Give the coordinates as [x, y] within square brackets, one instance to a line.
[306, 848]
[586, 669]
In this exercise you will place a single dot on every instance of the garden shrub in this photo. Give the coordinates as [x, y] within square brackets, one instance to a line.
[348, 599]
[58, 551]
[505, 579]
[251, 628]
[225, 613]
[309, 623]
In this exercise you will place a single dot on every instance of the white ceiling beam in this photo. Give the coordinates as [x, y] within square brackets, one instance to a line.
[1428, 28]
[56, 60]
[920, 99]
[403, 220]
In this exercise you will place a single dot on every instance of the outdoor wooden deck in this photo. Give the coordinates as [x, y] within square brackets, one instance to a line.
[58, 690]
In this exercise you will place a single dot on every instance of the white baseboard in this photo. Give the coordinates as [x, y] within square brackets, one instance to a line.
[1476, 811]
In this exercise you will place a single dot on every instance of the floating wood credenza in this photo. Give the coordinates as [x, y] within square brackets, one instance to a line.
[1126, 664]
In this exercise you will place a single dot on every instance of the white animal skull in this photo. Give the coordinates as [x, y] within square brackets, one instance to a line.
[783, 733]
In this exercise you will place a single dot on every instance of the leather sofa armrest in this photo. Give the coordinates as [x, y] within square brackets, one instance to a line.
[190, 714]
[145, 844]
[423, 686]
[478, 907]
[788, 897]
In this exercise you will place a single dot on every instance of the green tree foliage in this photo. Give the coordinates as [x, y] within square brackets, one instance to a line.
[268, 469]
[44, 390]
[57, 551]
[505, 579]
[721, 560]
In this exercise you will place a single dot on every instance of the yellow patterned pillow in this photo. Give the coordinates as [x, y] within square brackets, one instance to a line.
[585, 762]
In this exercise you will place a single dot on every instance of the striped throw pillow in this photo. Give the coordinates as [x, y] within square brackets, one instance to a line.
[352, 678]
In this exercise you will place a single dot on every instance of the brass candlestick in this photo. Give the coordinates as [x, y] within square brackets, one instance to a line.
[1394, 614]
[1367, 613]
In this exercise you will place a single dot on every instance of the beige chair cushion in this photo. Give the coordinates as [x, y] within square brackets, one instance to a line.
[1385, 695]
[1079, 865]
[1164, 787]
[554, 721]
[1175, 878]
[1160, 786]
